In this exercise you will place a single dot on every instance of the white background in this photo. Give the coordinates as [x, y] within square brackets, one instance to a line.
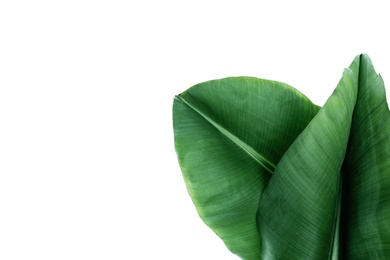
[87, 165]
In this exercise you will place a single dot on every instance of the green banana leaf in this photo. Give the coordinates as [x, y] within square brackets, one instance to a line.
[276, 177]
[229, 135]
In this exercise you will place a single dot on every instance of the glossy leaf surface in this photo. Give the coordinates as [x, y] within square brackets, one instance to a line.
[277, 178]
[298, 211]
[229, 135]
[366, 206]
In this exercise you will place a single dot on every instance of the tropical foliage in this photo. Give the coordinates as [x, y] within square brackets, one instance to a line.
[277, 177]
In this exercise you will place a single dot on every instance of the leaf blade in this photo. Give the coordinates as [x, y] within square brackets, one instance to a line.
[298, 210]
[367, 164]
[224, 181]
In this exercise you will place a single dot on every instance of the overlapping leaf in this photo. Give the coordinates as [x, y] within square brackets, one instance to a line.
[319, 181]
[366, 202]
[229, 135]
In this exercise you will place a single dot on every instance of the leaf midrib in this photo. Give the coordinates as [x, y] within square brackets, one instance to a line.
[264, 162]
